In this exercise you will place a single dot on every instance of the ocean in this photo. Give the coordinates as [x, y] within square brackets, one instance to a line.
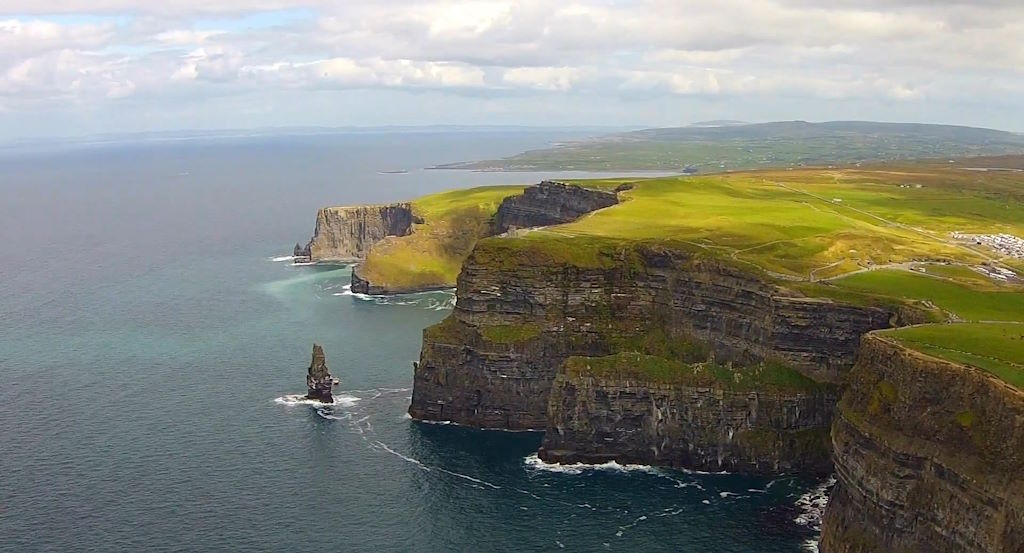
[153, 333]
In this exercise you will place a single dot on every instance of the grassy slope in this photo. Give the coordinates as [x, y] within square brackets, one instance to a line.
[788, 222]
[433, 254]
[968, 302]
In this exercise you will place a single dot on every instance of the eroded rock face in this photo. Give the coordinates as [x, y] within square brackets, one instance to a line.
[929, 456]
[541, 313]
[598, 419]
[346, 233]
[549, 203]
[318, 378]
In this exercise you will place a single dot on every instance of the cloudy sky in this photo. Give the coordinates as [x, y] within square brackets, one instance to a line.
[70, 67]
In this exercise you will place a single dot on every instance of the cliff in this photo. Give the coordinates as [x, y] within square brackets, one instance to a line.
[549, 203]
[639, 409]
[525, 306]
[929, 455]
[346, 233]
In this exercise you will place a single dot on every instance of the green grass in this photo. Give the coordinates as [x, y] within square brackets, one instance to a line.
[649, 368]
[968, 303]
[995, 347]
[791, 224]
[433, 254]
[510, 334]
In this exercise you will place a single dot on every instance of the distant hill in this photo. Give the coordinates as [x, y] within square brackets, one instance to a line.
[719, 123]
[722, 145]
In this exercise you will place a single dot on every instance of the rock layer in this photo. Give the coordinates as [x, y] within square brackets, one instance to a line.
[929, 456]
[594, 419]
[520, 314]
[319, 381]
[549, 203]
[345, 234]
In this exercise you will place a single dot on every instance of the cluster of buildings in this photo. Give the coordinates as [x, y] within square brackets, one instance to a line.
[1006, 244]
[996, 273]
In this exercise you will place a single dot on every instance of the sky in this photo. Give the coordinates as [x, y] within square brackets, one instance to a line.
[80, 67]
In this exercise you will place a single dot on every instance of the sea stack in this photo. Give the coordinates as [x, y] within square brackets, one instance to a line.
[318, 378]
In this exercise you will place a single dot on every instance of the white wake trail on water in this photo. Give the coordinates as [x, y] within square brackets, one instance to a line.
[812, 506]
[427, 300]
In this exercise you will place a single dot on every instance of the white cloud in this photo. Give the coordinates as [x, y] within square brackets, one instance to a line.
[543, 78]
[907, 52]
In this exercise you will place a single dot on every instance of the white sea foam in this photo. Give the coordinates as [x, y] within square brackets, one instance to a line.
[304, 264]
[535, 462]
[427, 300]
[298, 399]
[812, 506]
[283, 258]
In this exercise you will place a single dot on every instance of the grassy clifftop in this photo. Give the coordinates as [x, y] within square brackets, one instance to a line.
[433, 254]
[867, 235]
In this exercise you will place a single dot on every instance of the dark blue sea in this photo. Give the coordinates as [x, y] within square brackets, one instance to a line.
[152, 329]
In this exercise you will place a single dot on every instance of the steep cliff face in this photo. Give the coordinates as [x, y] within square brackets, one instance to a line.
[929, 456]
[549, 203]
[319, 382]
[521, 313]
[346, 233]
[634, 417]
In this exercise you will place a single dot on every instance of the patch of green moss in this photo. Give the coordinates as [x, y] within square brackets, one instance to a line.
[965, 418]
[659, 343]
[449, 331]
[511, 334]
[660, 370]
[882, 396]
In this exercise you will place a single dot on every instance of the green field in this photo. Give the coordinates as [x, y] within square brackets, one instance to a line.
[816, 224]
[994, 347]
[987, 302]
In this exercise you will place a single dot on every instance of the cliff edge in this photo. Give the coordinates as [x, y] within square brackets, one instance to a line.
[524, 307]
[929, 455]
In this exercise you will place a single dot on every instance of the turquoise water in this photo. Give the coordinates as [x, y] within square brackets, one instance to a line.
[149, 341]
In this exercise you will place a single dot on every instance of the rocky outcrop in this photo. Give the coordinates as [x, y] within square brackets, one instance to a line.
[345, 234]
[929, 456]
[300, 251]
[521, 312]
[549, 203]
[319, 381]
[595, 418]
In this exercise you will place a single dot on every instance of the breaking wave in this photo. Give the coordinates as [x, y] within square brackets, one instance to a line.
[299, 399]
[428, 300]
[282, 258]
[812, 508]
[536, 463]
